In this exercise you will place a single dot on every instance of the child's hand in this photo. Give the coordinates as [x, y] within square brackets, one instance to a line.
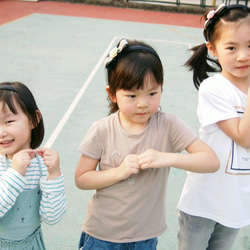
[153, 159]
[22, 160]
[129, 166]
[51, 160]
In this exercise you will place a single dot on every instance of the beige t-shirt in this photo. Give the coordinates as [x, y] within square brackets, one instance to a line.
[133, 209]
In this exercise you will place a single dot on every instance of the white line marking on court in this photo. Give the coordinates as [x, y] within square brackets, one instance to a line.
[71, 108]
[190, 49]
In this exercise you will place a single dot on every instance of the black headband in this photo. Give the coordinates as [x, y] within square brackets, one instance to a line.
[141, 47]
[124, 48]
[8, 87]
[217, 14]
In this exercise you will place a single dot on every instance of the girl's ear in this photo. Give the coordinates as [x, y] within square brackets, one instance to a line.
[112, 97]
[38, 117]
[211, 49]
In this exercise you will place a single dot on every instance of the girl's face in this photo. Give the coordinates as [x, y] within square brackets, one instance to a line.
[233, 52]
[136, 106]
[15, 130]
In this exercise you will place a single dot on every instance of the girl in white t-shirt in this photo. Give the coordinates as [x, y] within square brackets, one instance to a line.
[213, 207]
[134, 147]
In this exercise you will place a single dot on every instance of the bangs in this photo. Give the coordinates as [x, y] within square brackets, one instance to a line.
[131, 71]
[7, 98]
[127, 69]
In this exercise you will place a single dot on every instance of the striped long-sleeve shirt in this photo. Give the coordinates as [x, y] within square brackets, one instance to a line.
[12, 184]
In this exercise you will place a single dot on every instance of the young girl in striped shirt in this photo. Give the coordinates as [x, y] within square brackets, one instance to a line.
[31, 183]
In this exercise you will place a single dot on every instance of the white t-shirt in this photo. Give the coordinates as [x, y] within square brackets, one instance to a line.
[223, 196]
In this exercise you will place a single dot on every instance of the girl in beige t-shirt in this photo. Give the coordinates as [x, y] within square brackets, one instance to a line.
[126, 156]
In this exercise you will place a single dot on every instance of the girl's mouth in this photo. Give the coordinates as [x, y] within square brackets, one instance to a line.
[243, 67]
[141, 114]
[6, 142]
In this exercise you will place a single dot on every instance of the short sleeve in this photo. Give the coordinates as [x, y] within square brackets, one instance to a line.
[215, 102]
[180, 135]
[91, 143]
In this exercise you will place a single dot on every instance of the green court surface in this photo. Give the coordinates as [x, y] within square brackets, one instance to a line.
[61, 59]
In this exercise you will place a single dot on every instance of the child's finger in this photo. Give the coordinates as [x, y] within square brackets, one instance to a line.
[41, 151]
[29, 152]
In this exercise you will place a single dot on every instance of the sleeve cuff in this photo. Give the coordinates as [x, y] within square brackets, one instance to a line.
[52, 185]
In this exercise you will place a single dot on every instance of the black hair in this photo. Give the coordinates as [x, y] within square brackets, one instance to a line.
[200, 62]
[20, 93]
[130, 66]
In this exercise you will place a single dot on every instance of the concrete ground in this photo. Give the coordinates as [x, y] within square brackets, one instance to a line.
[57, 49]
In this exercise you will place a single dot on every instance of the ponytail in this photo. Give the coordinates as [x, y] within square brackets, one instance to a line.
[199, 64]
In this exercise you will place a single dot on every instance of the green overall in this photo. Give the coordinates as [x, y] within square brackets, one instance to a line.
[20, 227]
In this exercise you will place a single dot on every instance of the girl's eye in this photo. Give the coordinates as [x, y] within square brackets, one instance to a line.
[153, 93]
[231, 48]
[8, 122]
[131, 96]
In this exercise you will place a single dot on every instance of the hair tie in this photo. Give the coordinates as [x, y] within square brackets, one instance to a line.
[8, 87]
[115, 51]
[214, 15]
[211, 13]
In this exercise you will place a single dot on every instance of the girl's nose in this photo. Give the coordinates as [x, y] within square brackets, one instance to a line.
[244, 55]
[2, 132]
[142, 103]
